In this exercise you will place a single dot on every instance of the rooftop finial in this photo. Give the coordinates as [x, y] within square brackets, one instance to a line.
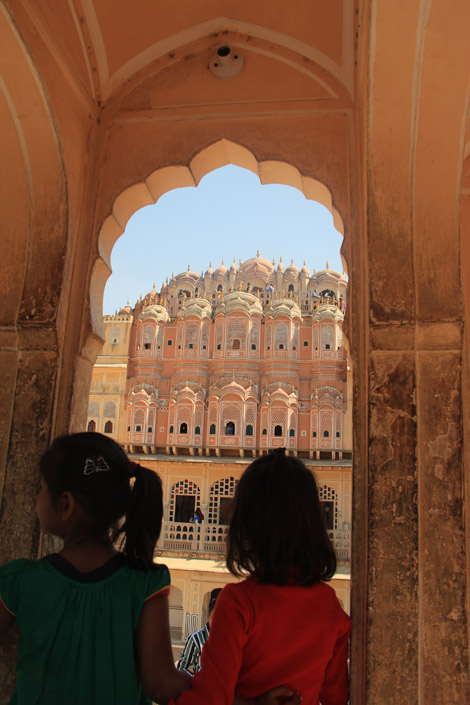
[189, 267]
[280, 258]
[257, 253]
[233, 375]
[292, 260]
[327, 265]
[223, 262]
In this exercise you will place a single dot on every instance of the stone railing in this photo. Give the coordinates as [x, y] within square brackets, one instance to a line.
[196, 538]
[211, 538]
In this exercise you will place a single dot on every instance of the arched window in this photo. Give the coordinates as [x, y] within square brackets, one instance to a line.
[236, 344]
[197, 430]
[291, 287]
[230, 429]
[219, 288]
[278, 430]
[212, 429]
[249, 430]
[91, 426]
[326, 434]
[281, 346]
[291, 432]
[264, 432]
[183, 428]
[170, 430]
[108, 427]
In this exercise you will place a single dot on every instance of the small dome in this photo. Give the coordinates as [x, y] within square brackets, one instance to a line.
[221, 271]
[305, 270]
[233, 267]
[126, 308]
[292, 271]
[209, 270]
[280, 266]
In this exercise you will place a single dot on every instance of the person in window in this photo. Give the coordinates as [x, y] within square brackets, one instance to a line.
[190, 659]
[198, 517]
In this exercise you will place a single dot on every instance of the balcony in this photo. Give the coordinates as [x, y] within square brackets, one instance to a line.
[210, 540]
[192, 538]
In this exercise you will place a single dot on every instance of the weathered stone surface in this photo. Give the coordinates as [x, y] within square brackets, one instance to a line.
[393, 533]
[444, 661]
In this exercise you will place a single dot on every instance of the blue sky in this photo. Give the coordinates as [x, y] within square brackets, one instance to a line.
[230, 214]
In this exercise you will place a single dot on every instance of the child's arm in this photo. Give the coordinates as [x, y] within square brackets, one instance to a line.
[160, 679]
[6, 619]
[335, 688]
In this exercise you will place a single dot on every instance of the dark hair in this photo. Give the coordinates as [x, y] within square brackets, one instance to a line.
[98, 473]
[213, 599]
[277, 531]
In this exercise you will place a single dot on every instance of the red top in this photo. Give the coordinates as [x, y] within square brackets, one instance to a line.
[263, 636]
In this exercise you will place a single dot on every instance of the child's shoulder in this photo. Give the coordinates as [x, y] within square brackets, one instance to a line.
[17, 566]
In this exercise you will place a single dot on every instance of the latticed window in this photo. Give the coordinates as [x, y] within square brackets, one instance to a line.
[268, 337]
[192, 331]
[232, 414]
[148, 337]
[108, 427]
[93, 408]
[221, 494]
[326, 423]
[205, 336]
[236, 332]
[109, 411]
[329, 503]
[327, 336]
[91, 426]
[139, 419]
[151, 421]
[184, 417]
[254, 336]
[278, 418]
[249, 430]
[280, 339]
[185, 497]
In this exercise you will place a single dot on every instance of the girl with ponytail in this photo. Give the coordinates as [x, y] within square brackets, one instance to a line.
[79, 611]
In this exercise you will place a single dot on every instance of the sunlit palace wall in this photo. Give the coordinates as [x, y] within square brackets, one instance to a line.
[232, 362]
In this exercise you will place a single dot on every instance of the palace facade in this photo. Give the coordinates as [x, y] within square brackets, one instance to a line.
[208, 373]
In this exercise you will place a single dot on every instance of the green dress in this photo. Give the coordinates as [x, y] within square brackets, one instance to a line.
[77, 629]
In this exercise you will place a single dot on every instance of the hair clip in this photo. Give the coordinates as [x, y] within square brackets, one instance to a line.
[93, 464]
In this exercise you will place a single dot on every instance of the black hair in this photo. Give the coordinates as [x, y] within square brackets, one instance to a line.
[98, 473]
[277, 531]
[213, 599]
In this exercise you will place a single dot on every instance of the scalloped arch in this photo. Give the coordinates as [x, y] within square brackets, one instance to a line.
[218, 154]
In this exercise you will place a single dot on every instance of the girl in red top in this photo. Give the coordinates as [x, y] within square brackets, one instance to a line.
[283, 624]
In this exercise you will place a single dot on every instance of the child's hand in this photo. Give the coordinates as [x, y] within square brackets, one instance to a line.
[282, 695]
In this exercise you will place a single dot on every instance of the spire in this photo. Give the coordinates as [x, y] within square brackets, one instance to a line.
[257, 253]
[327, 265]
[292, 260]
[189, 267]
